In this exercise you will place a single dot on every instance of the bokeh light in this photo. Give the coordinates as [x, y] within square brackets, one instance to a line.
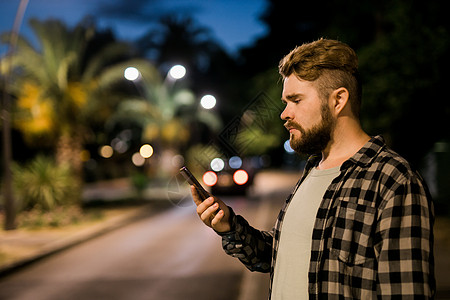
[210, 178]
[106, 151]
[217, 164]
[235, 162]
[146, 151]
[131, 73]
[137, 159]
[287, 147]
[85, 155]
[177, 72]
[208, 101]
[240, 177]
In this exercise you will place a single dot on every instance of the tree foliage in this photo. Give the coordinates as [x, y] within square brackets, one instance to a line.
[65, 84]
[402, 47]
[43, 184]
[404, 71]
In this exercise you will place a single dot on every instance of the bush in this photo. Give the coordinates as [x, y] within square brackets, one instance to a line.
[44, 185]
[59, 217]
[139, 181]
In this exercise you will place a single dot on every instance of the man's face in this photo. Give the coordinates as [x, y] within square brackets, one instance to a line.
[308, 118]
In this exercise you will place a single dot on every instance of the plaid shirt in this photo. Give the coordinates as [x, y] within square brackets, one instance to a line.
[373, 234]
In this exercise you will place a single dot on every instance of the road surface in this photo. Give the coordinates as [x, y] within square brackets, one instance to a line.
[171, 255]
[168, 256]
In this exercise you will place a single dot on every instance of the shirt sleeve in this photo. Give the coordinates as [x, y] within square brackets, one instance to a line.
[251, 246]
[404, 245]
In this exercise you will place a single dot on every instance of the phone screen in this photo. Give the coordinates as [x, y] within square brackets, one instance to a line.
[190, 178]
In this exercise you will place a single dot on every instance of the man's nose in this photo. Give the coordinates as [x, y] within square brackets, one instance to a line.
[286, 113]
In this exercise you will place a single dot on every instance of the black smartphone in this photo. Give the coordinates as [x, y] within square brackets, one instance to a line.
[190, 178]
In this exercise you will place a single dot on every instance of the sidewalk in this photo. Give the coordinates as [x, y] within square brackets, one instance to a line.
[22, 247]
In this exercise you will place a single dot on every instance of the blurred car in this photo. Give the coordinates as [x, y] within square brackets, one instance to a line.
[229, 176]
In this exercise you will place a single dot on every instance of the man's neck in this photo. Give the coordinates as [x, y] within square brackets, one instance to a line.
[343, 145]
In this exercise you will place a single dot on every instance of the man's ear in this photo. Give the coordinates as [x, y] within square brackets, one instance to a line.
[340, 100]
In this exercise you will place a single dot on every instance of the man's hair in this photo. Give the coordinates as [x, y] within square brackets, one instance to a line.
[330, 64]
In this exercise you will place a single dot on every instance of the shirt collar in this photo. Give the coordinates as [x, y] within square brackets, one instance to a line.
[367, 153]
[363, 157]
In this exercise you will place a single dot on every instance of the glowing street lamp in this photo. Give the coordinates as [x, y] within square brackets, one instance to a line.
[131, 74]
[208, 101]
[177, 72]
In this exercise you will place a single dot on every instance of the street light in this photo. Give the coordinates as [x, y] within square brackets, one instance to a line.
[208, 101]
[131, 74]
[177, 72]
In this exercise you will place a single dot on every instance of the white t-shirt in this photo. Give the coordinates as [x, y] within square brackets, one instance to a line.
[294, 250]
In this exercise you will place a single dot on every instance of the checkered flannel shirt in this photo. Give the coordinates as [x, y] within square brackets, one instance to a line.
[373, 234]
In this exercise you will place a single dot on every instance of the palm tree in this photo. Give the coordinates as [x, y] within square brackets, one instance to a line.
[65, 84]
[164, 112]
[179, 40]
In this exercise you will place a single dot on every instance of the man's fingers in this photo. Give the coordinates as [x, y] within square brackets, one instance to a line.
[217, 218]
[203, 205]
[195, 195]
[209, 213]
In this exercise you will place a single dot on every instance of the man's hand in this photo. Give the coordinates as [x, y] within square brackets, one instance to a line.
[206, 210]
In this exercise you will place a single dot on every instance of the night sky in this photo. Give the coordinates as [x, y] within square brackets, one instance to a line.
[234, 23]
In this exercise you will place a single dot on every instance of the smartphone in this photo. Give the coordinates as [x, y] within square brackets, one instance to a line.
[203, 194]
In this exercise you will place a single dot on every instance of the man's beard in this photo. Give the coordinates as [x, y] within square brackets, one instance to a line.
[316, 139]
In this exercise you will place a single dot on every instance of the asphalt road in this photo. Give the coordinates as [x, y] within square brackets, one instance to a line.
[171, 255]
[167, 256]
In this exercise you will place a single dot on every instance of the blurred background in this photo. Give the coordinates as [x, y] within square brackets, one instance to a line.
[104, 101]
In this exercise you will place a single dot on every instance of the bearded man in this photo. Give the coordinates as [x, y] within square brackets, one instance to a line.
[359, 222]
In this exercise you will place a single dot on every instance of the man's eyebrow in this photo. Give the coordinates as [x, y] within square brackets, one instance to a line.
[292, 97]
